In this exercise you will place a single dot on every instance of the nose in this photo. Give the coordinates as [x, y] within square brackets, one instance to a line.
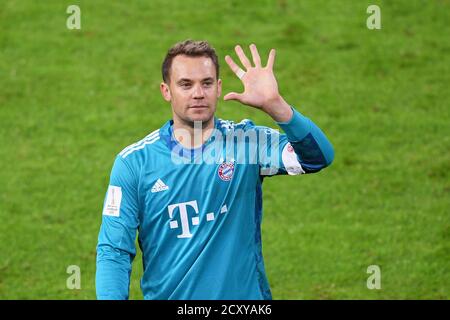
[199, 92]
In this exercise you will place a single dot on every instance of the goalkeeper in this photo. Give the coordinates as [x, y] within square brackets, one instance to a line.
[192, 190]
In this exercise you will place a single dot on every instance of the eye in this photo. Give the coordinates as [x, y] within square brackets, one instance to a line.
[185, 85]
[207, 84]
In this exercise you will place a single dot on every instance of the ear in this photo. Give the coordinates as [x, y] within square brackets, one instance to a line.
[219, 88]
[165, 91]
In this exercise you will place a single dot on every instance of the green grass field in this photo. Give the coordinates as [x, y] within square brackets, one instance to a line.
[70, 100]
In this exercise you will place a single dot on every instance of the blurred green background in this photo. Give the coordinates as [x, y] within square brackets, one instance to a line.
[70, 100]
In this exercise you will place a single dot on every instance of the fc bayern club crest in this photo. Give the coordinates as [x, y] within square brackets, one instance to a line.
[226, 171]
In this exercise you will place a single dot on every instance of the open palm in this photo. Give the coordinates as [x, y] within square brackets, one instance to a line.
[260, 85]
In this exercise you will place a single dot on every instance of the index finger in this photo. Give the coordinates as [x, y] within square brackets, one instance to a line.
[242, 57]
[233, 66]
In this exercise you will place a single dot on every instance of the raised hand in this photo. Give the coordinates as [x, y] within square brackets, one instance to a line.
[260, 85]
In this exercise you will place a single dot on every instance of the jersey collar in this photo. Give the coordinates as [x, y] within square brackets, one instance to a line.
[166, 135]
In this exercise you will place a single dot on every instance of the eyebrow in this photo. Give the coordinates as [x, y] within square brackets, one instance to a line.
[190, 80]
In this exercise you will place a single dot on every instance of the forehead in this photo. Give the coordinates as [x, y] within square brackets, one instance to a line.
[194, 68]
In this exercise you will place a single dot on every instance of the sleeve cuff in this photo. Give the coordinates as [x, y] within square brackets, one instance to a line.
[297, 127]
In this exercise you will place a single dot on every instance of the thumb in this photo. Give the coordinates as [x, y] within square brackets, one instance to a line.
[233, 96]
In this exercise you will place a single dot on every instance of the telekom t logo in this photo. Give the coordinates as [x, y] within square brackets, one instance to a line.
[183, 208]
[186, 233]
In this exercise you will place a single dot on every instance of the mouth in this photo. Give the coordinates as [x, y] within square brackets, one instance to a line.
[198, 107]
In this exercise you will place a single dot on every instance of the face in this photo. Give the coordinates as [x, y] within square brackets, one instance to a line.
[193, 89]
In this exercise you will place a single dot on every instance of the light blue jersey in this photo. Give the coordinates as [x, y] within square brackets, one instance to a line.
[198, 221]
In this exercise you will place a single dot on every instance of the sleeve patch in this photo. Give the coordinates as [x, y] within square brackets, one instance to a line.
[112, 203]
[290, 160]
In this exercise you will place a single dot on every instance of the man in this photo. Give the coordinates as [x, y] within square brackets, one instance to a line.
[199, 220]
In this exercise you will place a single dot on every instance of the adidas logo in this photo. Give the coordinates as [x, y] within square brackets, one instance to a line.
[159, 186]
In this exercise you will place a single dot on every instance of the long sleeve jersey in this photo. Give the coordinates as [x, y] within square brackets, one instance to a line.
[197, 212]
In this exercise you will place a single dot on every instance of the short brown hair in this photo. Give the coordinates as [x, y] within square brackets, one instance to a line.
[192, 49]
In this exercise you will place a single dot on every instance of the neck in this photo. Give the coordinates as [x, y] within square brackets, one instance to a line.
[192, 134]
